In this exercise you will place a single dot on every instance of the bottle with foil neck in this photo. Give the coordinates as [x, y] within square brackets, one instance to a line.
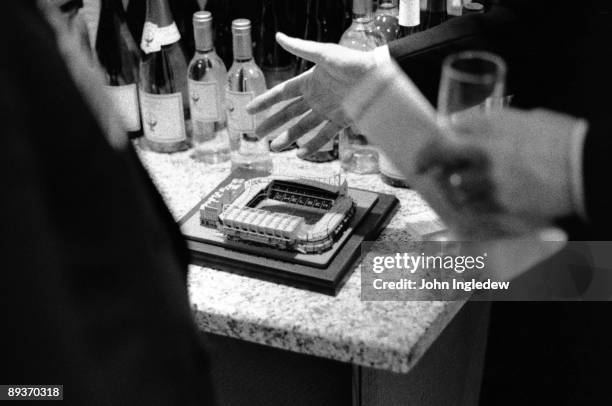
[277, 64]
[409, 17]
[206, 81]
[164, 99]
[119, 58]
[245, 81]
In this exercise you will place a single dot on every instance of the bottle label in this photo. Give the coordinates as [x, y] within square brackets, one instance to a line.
[238, 119]
[154, 37]
[204, 101]
[409, 13]
[125, 100]
[162, 117]
[388, 168]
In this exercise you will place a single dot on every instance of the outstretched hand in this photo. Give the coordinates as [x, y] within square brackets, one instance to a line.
[316, 95]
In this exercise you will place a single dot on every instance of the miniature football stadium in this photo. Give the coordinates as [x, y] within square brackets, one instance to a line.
[304, 232]
[305, 215]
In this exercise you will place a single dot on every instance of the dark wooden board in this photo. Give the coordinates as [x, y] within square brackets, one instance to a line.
[325, 273]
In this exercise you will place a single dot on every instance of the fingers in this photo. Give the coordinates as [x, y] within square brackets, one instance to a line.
[323, 137]
[281, 92]
[306, 124]
[294, 109]
[309, 50]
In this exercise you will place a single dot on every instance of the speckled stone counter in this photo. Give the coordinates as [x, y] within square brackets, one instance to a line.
[382, 335]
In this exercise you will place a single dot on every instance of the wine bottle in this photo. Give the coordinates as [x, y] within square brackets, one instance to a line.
[356, 155]
[386, 20]
[409, 17]
[311, 33]
[245, 81]
[182, 11]
[164, 99]
[206, 82]
[222, 28]
[136, 14]
[423, 13]
[119, 58]
[277, 64]
[436, 14]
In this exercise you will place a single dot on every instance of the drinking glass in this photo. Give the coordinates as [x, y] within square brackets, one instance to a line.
[472, 82]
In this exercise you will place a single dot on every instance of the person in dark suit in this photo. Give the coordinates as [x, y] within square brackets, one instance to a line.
[559, 59]
[93, 265]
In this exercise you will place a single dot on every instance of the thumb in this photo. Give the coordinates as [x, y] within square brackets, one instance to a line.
[309, 50]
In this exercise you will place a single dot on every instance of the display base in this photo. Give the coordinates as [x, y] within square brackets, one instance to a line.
[324, 273]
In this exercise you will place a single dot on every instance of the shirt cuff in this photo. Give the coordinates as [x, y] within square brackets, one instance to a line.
[382, 56]
[576, 167]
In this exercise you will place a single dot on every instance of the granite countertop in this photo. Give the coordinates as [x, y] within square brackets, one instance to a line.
[383, 335]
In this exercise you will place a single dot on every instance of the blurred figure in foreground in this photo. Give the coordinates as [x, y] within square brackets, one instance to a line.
[94, 268]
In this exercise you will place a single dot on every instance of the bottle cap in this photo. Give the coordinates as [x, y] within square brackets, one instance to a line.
[202, 18]
[202, 30]
[241, 26]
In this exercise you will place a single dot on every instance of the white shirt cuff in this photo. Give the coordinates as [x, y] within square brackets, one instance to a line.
[576, 168]
[382, 56]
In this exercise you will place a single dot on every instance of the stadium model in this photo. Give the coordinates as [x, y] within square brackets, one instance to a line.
[304, 215]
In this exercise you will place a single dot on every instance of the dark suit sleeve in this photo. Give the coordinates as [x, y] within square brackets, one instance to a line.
[558, 58]
[596, 164]
[421, 55]
[93, 291]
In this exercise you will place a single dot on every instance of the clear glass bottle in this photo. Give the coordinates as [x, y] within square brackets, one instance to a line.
[386, 20]
[356, 154]
[119, 58]
[245, 81]
[207, 77]
[409, 19]
[164, 100]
